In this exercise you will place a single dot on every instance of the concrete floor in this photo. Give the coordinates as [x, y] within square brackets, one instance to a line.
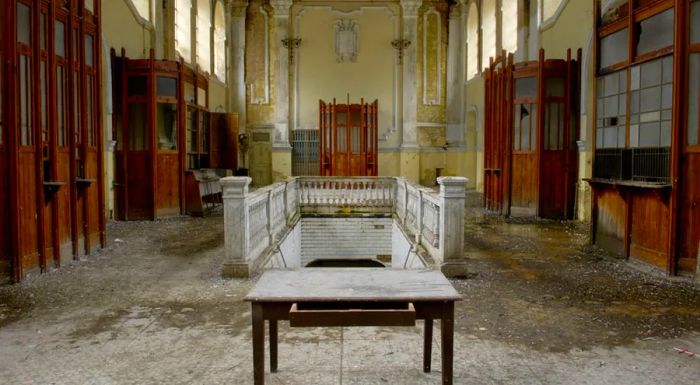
[540, 307]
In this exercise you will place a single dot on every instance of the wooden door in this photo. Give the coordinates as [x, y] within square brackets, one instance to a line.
[690, 212]
[497, 132]
[224, 141]
[348, 139]
[5, 240]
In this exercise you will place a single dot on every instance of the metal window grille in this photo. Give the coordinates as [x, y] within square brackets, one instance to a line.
[305, 156]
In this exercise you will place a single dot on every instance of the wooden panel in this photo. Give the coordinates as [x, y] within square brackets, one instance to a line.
[610, 220]
[689, 212]
[552, 194]
[167, 188]
[524, 184]
[28, 236]
[5, 240]
[340, 162]
[139, 180]
[119, 185]
[649, 243]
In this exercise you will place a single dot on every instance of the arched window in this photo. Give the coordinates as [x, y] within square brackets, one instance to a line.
[509, 21]
[472, 41]
[219, 42]
[488, 31]
[183, 29]
[204, 35]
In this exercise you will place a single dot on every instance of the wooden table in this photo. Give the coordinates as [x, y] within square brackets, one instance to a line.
[352, 297]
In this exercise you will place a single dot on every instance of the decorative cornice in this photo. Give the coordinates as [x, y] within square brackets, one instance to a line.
[280, 7]
[410, 7]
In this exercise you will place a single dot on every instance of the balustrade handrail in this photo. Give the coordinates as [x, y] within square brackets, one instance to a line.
[421, 210]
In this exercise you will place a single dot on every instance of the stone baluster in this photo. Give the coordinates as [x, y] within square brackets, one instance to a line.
[236, 226]
[451, 230]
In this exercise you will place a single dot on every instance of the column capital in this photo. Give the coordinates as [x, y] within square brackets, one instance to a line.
[280, 8]
[237, 8]
[410, 7]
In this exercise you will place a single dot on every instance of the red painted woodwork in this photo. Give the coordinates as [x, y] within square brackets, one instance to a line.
[163, 129]
[656, 222]
[348, 139]
[50, 126]
[531, 120]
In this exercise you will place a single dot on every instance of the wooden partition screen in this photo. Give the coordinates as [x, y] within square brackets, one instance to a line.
[52, 199]
[348, 139]
[532, 123]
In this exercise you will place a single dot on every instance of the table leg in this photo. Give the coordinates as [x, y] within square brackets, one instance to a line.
[427, 344]
[447, 326]
[258, 345]
[273, 345]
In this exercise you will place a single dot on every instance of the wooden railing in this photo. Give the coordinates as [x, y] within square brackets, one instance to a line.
[255, 221]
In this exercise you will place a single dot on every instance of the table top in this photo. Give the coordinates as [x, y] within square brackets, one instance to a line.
[351, 284]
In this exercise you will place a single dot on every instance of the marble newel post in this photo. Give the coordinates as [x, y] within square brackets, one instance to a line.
[236, 35]
[281, 9]
[455, 77]
[410, 72]
[452, 198]
[236, 227]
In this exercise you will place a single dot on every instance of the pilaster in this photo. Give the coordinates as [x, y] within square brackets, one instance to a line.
[281, 11]
[410, 72]
[455, 77]
[237, 91]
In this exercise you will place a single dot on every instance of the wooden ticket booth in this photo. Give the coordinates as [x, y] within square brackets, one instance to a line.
[164, 131]
[52, 198]
[531, 127]
[348, 137]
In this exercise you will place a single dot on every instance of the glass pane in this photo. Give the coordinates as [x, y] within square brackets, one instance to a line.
[138, 129]
[204, 132]
[90, 5]
[613, 48]
[342, 140]
[655, 32]
[693, 98]
[651, 99]
[526, 88]
[340, 117]
[355, 140]
[43, 96]
[24, 19]
[25, 97]
[525, 119]
[42, 32]
[555, 87]
[89, 51]
[201, 97]
[76, 110]
[166, 120]
[166, 86]
[695, 22]
[516, 126]
[61, 105]
[649, 134]
[90, 105]
[60, 38]
[189, 93]
[137, 85]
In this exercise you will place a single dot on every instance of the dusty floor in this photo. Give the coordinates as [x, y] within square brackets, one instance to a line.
[541, 307]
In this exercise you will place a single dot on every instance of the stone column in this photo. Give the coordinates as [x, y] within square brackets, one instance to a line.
[281, 9]
[236, 39]
[410, 73]
[236, 226]
[452, 198]
[455, 77]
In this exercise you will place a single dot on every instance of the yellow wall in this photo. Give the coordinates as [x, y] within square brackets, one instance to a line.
[321, 76]
[571, 30]
[122, 29]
